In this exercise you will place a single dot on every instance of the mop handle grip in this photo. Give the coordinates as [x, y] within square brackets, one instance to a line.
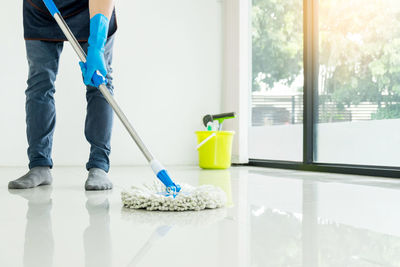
[224, 115]
[220, 117]
[51, 7]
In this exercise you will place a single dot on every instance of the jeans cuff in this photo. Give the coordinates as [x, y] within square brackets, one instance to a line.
[98, 164]
[41, 163]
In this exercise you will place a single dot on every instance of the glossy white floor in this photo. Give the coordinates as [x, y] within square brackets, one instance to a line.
[274, 218]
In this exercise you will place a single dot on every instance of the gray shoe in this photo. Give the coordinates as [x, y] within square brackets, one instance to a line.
[36, 176]
[98, 180]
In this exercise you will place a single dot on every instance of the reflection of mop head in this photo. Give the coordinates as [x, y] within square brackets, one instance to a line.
[219, 178]
[189, 218]
[150, 197]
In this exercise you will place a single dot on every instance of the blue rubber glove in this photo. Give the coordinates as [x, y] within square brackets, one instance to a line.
[95, 54]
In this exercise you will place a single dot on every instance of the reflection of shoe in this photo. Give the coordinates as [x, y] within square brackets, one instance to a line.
[39, 194]
[97, 197]
[97, 202]
[98, 210]
[97, 237]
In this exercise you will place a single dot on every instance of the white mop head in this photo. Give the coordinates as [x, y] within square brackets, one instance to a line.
[189, 198]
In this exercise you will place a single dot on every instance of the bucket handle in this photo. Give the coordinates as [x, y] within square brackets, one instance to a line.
[205, 141]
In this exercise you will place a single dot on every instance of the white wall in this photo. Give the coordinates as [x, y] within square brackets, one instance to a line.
[167, 70]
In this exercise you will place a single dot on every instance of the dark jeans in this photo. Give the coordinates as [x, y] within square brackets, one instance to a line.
[43, 58]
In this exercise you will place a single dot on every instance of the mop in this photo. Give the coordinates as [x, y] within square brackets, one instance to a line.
[166, 196]
[189, 198]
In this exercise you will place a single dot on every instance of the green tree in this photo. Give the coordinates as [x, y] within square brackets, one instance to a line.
[277, 41]
[359, 50]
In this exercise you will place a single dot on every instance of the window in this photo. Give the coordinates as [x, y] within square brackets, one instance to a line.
[277, 80]
[340, 111]
[359, 82]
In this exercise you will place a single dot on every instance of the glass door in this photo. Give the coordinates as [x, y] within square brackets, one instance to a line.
[276, 128]
[359, 82]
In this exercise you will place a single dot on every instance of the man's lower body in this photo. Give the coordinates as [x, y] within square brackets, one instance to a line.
[43, 58]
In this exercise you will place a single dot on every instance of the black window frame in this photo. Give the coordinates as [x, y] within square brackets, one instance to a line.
[310, 111]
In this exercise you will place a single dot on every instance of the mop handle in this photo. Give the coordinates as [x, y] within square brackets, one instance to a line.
[98, 79]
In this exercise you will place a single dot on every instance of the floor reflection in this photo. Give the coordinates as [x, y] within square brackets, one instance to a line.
[173, 218]
[39, 241]
[97, 237]
[219, 178]
[283, 237]
[309, 232]
[158, 234]
[164, 221]
[275, 218]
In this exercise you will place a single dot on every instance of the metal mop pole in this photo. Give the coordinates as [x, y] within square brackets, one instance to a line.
[100, 82]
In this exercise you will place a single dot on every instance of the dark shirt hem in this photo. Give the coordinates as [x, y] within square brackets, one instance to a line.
[62, 40]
